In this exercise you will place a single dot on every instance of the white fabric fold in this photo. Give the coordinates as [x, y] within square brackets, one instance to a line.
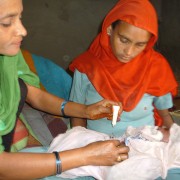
[148, 159]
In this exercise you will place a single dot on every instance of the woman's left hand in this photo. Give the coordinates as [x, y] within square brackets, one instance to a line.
[105, 153]
[102, 109]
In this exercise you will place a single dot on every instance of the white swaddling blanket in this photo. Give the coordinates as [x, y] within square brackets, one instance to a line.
[148, 157]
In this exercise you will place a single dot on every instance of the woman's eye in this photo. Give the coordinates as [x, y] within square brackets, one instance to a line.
[123, 40]
[141, 45]
[5, 24]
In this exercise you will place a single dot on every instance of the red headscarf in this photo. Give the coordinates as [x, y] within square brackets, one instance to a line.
[149, 72]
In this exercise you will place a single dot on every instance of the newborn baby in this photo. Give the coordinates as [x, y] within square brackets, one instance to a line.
[149, 157]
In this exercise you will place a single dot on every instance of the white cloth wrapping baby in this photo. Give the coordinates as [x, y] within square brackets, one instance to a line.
[75, 138]
[148, 157]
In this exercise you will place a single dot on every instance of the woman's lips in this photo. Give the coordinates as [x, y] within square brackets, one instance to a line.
[124, 59]
[18, 43]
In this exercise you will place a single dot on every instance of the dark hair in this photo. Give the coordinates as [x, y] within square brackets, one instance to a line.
[115, 23]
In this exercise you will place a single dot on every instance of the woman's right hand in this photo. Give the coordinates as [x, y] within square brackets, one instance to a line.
[102, 109]
[105, 153]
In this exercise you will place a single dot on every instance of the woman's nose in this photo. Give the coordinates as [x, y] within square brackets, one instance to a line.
[129, 50]
[21, 30]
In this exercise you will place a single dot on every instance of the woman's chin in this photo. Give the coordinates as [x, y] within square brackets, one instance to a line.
[124, 61]
[12, 52]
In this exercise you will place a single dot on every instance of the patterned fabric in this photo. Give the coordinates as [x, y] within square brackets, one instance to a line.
[44, 127]
[20, 137]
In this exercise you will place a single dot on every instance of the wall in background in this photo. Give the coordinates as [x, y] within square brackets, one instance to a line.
[169, 34]
[62, 29]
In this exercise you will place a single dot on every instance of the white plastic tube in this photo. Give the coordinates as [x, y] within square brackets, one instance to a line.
[115, 114]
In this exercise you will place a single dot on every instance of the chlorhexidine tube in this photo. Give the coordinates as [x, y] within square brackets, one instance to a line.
[115, 114]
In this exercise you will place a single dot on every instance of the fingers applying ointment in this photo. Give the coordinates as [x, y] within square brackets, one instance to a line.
[116, 112]
[123, 152]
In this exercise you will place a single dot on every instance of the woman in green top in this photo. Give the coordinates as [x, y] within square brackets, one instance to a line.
[15, 81]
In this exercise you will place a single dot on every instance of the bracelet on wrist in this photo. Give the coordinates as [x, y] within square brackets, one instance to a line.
[62, 108]
[58, 163]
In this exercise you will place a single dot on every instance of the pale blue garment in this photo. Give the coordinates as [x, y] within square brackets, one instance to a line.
[84, 92]
[173, 174]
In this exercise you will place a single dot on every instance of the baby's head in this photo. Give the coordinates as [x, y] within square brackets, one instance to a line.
[152, 133]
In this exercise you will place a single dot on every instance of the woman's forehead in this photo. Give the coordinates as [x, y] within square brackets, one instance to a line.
[9, 8]
[132, 32]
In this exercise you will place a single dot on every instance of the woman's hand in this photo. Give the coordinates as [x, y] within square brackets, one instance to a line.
[102, 109]
[105, 153]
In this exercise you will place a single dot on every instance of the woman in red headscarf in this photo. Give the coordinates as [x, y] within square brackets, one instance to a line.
[122, 65]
